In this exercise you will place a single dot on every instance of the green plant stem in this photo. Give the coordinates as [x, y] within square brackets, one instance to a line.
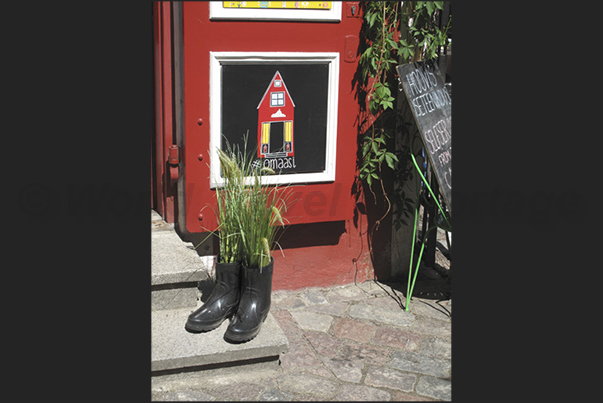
[412, 249]
[417, 269]
[430, 191]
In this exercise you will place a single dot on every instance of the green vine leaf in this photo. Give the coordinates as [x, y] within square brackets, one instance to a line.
[395, 33]
[430, 7]
[372, 19]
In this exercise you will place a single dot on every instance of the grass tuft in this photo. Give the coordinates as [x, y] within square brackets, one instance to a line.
[249, 213]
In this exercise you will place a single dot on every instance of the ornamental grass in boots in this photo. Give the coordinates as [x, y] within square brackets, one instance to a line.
[224, 298]
[258, 227]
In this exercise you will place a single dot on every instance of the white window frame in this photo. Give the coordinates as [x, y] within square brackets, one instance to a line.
[278, 99]
[218, 12]
[219, 59]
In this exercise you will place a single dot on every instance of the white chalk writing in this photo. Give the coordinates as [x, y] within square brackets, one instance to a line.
[426, 99]
[448, 178]
[427, 103]
[438, 136]
[431, 106]
[437, 140]
[279, 163]
[419, 81]
[444, 157]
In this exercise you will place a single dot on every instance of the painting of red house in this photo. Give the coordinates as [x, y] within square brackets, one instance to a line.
[275, 121]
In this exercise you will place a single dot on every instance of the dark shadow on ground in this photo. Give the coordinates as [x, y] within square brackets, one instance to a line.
[432, 283]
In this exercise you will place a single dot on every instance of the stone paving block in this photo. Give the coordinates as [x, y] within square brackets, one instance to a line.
[387, 302]
[398, 338]
[324, 343]
[287, 325]
[434, 327]
[413, 362]
[307, 384]
[383, 315]
[279, 294]
[399, 396]
[345, 293]
[362, 393]
[312, 321]
[272, 394]
[436, 388]
[436, 347]
[242, 391]
[293, 397]
[314, 296]
[390, 378]
[335, 308]
[290, 302]
[354, 329]
[299, 356]
[368, 354]
[321, 370]
[345, 369]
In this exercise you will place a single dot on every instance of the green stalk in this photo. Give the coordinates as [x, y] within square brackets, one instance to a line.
[412, 249]
[430, 191]
[410, 285]
[419, 262]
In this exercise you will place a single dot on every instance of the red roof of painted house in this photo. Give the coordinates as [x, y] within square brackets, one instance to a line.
[271, 85]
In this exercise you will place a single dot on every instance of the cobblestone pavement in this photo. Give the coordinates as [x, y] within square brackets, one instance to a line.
[352, 342]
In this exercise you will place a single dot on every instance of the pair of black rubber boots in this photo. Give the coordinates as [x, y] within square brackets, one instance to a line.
[241, 293]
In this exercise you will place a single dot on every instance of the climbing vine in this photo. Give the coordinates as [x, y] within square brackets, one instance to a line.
[394, 33]
[377, 63]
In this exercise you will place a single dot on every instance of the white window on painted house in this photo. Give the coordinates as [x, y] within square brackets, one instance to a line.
[277, 99]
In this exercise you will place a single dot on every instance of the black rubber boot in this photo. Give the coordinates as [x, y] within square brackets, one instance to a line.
[254, 304]
[222, 302]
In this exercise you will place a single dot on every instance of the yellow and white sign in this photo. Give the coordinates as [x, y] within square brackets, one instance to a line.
[308, 5]
[327, 11]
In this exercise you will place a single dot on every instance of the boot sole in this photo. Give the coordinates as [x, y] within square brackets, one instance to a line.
[198, 328]
[242, 338]
[239, 338]
[194, 328]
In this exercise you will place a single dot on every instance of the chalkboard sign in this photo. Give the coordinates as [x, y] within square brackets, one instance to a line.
[284, 109]
[431, 106]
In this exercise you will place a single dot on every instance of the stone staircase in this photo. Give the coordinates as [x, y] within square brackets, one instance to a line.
[178, 274]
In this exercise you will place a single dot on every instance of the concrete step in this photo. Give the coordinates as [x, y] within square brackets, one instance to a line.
[178, 276]
[175, 349]
[176, 268]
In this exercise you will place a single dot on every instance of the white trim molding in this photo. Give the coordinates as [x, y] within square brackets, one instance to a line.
[219, 59]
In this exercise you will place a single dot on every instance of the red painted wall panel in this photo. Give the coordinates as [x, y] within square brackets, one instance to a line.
[317, 202]
[329, 247]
